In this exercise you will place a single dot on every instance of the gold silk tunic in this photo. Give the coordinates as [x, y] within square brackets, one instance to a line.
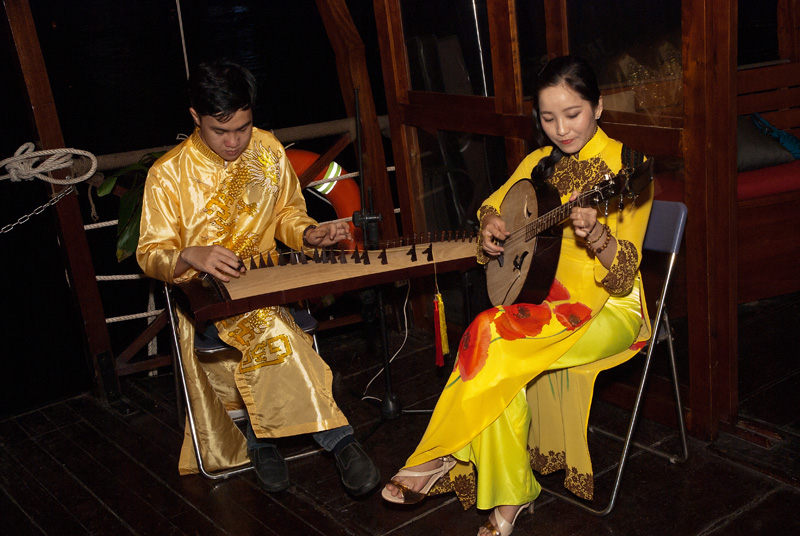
[506, 348]
[193, 197]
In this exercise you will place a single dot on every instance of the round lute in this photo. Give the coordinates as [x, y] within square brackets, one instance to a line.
[532, 212]
[525, 270]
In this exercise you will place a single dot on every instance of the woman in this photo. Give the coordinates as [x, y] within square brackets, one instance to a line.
[595, 310]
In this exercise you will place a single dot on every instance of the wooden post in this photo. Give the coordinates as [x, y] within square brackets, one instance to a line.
[709, 69]
[73, 238]
[351, 64]
[405, 145]
[508, 90]
[555, 11]
[789, 30]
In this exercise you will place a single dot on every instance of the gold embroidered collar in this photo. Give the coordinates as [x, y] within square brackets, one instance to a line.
[204, 149]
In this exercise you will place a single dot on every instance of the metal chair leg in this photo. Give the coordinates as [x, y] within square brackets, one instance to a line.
[176, 348]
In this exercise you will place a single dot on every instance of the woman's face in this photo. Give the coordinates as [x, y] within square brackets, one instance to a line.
[567, 119]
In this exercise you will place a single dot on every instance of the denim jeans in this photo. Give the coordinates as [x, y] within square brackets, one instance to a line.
[326, 439]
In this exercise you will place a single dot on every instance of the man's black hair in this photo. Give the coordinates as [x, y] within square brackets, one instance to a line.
[221, 88]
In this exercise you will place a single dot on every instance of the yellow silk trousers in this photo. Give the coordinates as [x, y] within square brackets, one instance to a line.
[499, 452]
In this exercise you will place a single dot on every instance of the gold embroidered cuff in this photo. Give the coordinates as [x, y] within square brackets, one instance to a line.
[622, 273]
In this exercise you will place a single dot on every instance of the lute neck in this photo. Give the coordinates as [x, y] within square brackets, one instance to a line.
[555, 216]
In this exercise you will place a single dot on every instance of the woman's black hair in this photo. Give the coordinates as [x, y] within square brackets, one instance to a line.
[221, 88]
[578, 75]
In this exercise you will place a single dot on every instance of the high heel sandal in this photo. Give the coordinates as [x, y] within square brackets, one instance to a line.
[408, 495]
[503, 528]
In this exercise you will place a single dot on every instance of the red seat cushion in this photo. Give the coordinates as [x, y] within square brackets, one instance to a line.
[769, 181]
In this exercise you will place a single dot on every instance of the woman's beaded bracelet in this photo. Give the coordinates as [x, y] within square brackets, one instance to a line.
[598, 236]
[607, 232]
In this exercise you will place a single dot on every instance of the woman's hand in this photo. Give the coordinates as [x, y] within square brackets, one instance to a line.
[218, 261]
[584, 220]
[493, 234]
[327, 234]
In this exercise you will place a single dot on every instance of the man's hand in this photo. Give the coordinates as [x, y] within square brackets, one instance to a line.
[327, 234]
[218, 261]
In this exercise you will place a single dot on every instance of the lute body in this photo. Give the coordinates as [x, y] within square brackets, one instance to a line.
[533, 212]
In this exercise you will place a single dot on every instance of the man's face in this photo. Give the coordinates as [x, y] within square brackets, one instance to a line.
[228, 139]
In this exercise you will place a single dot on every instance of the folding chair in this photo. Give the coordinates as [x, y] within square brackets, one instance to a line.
[664, 234]
[208, 342]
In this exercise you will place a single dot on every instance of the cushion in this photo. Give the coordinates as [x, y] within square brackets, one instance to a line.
[768, 181]
[755, 149]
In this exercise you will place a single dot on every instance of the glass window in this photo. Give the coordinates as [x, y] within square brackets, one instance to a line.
[532, 38]
[758, 32]
[635, 48]
[448, 46]
[459, 171]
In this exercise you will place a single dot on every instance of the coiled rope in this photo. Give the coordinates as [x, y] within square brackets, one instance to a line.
[22, 166]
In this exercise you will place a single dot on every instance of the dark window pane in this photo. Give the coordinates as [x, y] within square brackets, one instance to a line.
[635, 49]
[448, 46]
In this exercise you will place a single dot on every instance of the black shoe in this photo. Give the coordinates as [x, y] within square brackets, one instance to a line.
[359, 474]
[271, 470]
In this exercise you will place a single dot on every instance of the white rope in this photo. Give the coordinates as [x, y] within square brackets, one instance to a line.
[21, 165]
[98, 225]
[152, 346]
[113, 319]
[183, 37]
[120, 277]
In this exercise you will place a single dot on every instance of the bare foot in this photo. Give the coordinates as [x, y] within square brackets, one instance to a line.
[414, 483]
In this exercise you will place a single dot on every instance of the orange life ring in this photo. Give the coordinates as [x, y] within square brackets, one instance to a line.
[344, 195]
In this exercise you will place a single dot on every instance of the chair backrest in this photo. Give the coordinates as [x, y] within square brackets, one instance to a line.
[665, 228]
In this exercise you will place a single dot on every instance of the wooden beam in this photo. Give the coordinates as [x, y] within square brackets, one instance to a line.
[555, 12]
[463, 113]
[73, 238]
[709, 69]
[506, 70]
[789, 29]
[351, 65]
[324, 161]
[405, 144]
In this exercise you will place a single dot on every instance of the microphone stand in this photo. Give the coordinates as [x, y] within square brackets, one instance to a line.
[368, 221]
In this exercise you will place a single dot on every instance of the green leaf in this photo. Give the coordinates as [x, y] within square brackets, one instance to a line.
[108, 186]
[130, 206]
[130, 212]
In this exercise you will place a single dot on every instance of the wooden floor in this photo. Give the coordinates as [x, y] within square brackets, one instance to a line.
[77, 467]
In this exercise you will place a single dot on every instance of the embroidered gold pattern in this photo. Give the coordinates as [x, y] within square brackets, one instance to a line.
[484, 211]
[546, 463]
[272, 351]
[572, 174]
[264, 166]
[258, 167]
[622, 274]
[464, 486]
[581, 484]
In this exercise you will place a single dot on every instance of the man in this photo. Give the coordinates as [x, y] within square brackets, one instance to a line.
[224, 194]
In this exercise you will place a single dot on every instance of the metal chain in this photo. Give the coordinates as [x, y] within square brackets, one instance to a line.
[21, 167]
[61, 195]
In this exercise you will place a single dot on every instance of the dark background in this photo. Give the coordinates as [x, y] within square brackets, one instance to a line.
[118, 78]
[117, 72]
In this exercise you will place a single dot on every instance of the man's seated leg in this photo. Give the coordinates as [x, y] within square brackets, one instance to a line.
[271, 470]
[359, 475]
